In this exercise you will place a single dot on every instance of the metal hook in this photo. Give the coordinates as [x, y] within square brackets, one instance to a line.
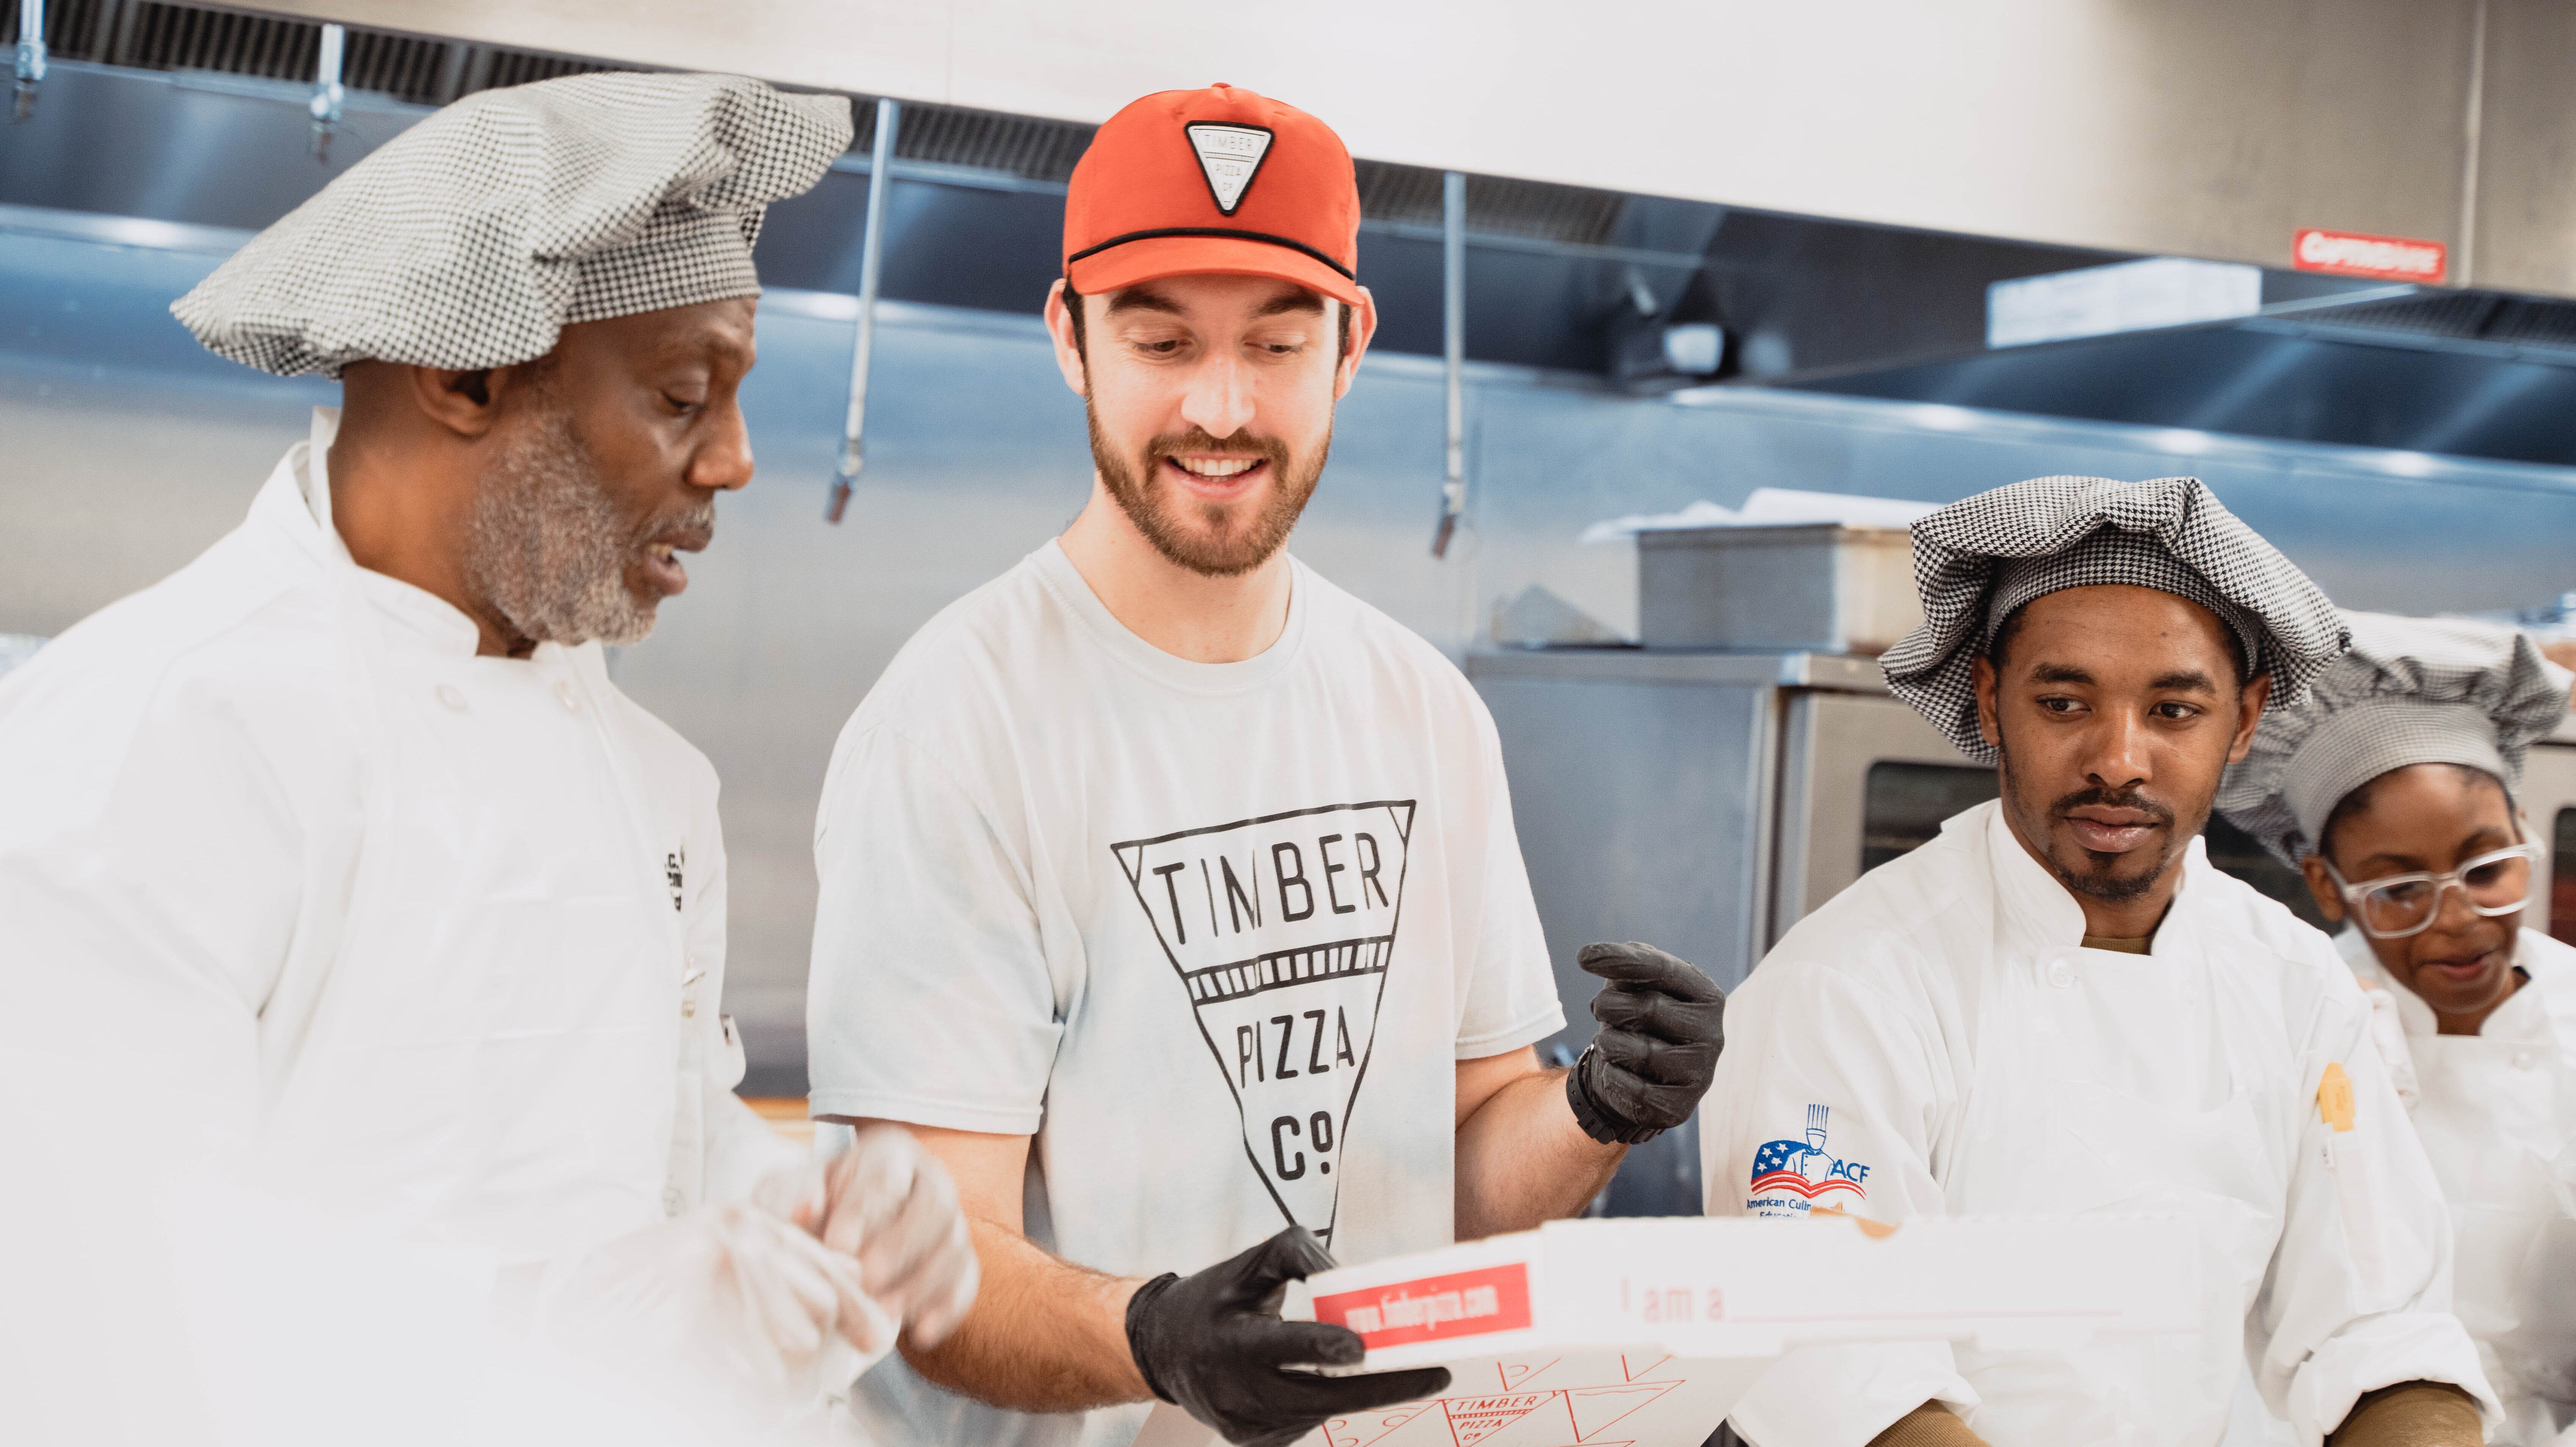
[327, 92]
[1453, 347]
[31, 58]
[871, 248]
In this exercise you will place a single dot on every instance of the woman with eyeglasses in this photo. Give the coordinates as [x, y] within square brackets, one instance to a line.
[2392, 791]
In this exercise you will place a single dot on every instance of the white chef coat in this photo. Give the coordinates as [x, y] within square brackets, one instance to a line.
[306, 890]
[1935, 1041]
[2497, 1112]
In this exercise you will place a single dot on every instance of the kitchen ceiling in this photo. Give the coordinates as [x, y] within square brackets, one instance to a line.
[194, 114]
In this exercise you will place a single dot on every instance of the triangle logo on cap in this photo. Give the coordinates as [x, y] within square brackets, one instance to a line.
[1229, 156]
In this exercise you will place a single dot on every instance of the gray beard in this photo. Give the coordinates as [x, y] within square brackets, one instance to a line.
[546, 545]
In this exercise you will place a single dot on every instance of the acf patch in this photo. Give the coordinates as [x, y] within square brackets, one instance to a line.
[1791, 1177]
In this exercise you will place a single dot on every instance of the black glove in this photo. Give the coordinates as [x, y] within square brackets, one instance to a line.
[1213, 1345]
[1662, 1024]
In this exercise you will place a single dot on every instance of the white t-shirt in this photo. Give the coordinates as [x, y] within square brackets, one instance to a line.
[1215, 934]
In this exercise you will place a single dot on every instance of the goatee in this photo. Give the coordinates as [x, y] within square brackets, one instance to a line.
[1228, 542]
[2089, 873]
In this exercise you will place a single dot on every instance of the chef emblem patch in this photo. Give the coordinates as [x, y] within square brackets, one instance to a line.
[1281, 930]
[1793, 1177]
[1229, 156]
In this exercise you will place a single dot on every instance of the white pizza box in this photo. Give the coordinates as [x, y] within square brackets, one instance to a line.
[1736, 1287]
[1643, 1333]
[1542, 1399]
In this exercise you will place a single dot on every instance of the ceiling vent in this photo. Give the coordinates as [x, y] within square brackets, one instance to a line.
[151, 35]
[1023, 146]
[154, 35]
[1496, 205]
[2463, 316]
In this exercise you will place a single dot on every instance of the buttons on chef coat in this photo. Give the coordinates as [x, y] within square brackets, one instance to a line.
[452, 696]
[2524, 1060]
[565, 695]
[2061, 973]
[688, 1004]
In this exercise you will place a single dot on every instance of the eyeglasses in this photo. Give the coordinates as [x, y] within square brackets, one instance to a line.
[2496, 882]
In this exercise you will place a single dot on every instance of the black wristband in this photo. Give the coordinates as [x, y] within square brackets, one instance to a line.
[1599, 1121]
[1138, 1306]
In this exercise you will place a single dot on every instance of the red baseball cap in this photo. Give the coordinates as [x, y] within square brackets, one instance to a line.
[1189, 182]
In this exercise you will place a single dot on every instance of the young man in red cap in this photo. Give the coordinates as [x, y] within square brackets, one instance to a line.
[1166, 855]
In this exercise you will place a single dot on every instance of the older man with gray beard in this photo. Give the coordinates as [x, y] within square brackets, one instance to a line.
[336, 856]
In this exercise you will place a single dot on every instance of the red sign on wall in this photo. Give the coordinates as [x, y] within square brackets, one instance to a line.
[1467, 1303]
[2356, 253]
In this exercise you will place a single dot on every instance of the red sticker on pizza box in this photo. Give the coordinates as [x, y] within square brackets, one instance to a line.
[1434, 1308]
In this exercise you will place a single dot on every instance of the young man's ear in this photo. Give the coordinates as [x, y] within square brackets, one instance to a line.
[1982, 678]
[1363, 327]
[2249, 715]
[1068, 352]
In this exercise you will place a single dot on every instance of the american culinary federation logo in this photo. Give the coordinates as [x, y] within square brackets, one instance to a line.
[1792, 1177]
[1281, 929]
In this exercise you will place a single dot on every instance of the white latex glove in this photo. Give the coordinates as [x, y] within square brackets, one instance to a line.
[736, 1311]
[892, 1205]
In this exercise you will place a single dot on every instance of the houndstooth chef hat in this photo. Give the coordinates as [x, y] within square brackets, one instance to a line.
[2411, 691]
[1980, 559]
[473, 238]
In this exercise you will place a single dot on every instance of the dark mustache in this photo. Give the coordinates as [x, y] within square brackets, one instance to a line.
[2100, 797]
[1197, 439]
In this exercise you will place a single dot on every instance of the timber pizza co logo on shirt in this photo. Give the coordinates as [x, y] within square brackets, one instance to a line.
[1281, 929]
[1793, 1177]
